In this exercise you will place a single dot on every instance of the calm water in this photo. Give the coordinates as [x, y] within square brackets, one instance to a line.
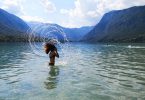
[83, 72]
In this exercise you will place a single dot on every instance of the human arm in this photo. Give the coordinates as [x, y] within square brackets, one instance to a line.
[57, 55]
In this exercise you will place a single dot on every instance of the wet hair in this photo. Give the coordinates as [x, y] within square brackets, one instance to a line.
[49, 47]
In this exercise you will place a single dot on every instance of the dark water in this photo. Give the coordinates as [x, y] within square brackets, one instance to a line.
[83, 72]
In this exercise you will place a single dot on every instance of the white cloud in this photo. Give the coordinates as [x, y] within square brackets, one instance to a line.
[28, 18]
[84, 12]
[16, 7]
[49, 6]
[64, 11]
[12, 6]
[89, 12]
[32, 18]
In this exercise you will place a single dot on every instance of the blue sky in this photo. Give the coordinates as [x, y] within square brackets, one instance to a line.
[68, 13]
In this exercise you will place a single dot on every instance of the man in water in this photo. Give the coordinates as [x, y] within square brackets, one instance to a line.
[52, 50]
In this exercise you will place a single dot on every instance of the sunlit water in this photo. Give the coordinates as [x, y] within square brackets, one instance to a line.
[83, 72]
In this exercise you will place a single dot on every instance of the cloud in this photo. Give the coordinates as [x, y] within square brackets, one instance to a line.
[89, 12]
[12, 6]
[49, 6]
[64, 11]
[28, 18]
[83, 13]
[32, 18]
[16, 7]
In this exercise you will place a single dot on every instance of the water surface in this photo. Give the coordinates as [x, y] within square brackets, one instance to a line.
[84, 71]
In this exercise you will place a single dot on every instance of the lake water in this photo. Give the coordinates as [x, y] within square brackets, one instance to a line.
[84, 71]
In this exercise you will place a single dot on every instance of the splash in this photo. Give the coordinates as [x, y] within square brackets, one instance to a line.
[42, 33]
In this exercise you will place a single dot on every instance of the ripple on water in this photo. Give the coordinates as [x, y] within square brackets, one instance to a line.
[84, 72]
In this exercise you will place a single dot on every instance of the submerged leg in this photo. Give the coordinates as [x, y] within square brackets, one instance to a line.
[52, 61]
[52, 56]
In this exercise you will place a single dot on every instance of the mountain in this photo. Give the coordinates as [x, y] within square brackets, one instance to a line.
[72, 34]
[126, 25]
[76, 34]
[12, 28]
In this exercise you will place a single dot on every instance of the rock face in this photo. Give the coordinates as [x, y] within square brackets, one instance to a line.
[126, 25]
[12, 28]
[72, 34]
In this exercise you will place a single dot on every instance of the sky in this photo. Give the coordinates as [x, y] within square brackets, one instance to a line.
[67, 13]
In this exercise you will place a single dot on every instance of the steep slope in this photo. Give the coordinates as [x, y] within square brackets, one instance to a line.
[126, 25]
[12, 28]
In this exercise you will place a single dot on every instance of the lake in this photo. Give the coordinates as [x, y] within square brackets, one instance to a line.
[84, 71]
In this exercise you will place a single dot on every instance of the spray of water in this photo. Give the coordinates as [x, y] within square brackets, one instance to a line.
[43, 33]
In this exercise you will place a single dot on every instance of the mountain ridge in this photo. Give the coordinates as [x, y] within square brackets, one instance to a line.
[72, 34]
[120, 26]
[12, 28]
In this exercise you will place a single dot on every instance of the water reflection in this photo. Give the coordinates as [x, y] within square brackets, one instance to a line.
[52, 79]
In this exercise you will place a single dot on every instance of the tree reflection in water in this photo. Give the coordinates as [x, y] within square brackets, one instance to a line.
[51, 81]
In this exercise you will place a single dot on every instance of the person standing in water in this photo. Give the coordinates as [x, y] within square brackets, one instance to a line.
[52, 51]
